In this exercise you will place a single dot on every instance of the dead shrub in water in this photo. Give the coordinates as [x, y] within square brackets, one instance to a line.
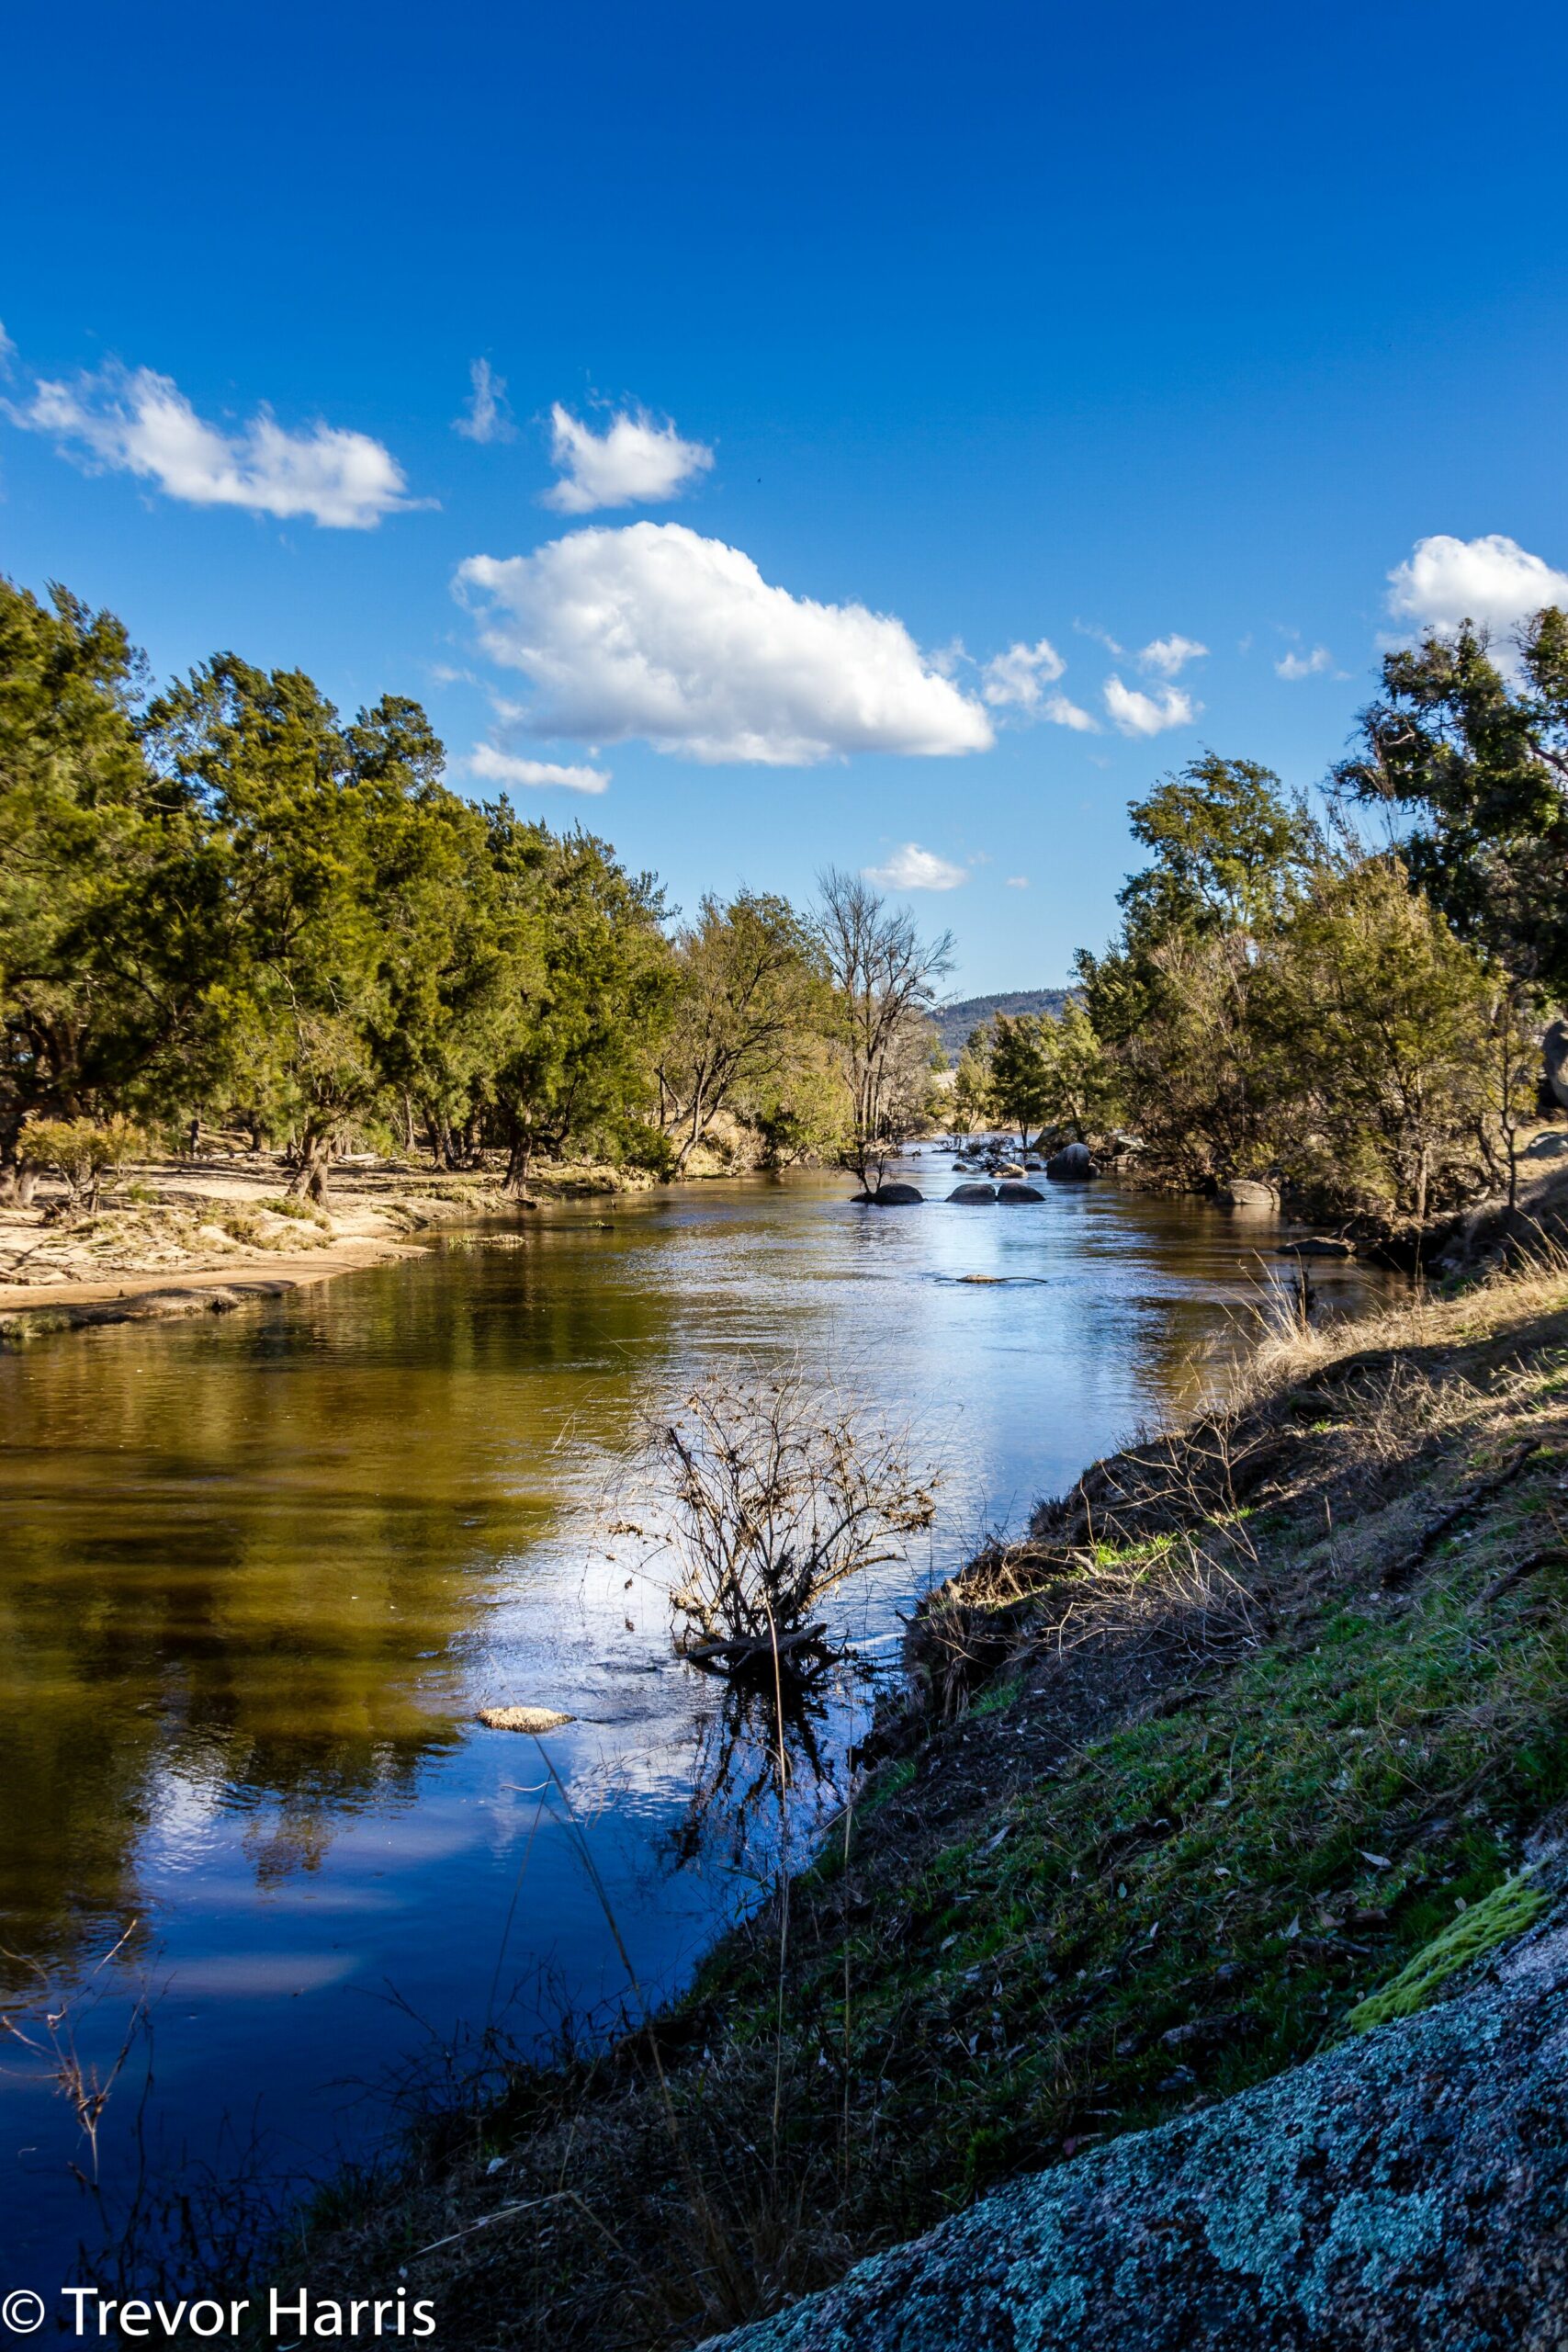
[775, 1493]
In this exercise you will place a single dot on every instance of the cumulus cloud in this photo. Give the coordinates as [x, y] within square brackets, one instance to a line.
[1017, 677]
[1016, 680]
[653, 630]
[487, 416]
[134, 421]
[1492, 580]
[1315, 664]
[910, 867]
[493, 766]
[1167, 657]
[1136, 713]
[1061, 712]
[634, 462]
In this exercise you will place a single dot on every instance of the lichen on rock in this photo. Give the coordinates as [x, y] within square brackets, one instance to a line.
[1409, 2188]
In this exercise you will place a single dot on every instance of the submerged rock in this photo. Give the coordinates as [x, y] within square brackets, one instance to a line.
[1408, 2189]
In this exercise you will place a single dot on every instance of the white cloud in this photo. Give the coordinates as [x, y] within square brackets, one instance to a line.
[493, 766]
[1492, 580]
[1139, 714]
[634, 462]
[653, 630]
[1100, 637]
[1016, 680]
[1063, 713]
[7, 351]
[1167, 657]
[1305, 665]
[910, 867]
[487, 416]
[1018, 882]
[134, 421]
[1017, 677]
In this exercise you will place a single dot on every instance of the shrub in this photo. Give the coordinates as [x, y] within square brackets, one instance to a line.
[83, 1152]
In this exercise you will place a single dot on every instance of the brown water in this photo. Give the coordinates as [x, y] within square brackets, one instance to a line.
[258, 1571]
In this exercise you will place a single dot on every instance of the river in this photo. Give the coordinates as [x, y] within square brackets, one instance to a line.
[260, 1570]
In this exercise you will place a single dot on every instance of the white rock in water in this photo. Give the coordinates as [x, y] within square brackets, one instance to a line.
[535, 1719]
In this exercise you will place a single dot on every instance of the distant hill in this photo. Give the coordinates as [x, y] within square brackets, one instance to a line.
[953, 1021]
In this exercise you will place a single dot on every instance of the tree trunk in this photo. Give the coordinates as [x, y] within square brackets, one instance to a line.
[519, 1158]
[309, 1181]
[18, 1183]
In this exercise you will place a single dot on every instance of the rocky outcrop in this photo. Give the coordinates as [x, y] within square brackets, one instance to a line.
[1409, 2189]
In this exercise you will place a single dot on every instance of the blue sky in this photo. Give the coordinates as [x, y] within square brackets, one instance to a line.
[1015, 327]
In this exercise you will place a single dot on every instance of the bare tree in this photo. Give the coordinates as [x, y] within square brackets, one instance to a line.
[773, 1495]
[885, 979]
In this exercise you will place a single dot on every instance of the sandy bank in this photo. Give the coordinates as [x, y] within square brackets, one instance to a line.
[183, 1239]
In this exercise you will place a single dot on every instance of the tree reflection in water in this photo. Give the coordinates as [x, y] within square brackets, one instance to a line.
[767, 1769]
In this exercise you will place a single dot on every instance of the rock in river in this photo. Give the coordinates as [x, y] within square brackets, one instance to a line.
[972, 1196]
[1012, 1191]
[1071, 1165]
[891, 1196]
[1247, 1193]
[533, 1719]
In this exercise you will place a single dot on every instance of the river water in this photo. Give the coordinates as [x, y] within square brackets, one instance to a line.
[259, 1571]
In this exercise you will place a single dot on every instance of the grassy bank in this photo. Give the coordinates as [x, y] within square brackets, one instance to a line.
[1253, 1730]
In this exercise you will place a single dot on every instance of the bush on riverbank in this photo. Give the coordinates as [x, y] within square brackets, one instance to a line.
[1249, 1719]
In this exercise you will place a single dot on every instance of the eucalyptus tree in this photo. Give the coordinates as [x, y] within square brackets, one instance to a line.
[1469, 755]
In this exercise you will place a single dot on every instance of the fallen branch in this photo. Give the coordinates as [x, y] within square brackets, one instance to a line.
[1471, 1499]
[1550, 1555]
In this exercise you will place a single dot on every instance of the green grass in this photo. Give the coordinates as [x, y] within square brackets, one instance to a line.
[1237, 1876]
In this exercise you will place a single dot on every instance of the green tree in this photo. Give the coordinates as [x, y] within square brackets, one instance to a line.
[104, 945]
[1397, 1055]
[590, 1000]
[1020, 1085]
[1081, 1089]
[1477, 762]
[970, 1105]
[750, 1000]
[299, 812]
[1231, 851]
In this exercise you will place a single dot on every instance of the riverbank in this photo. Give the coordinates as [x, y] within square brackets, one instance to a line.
[1252, 1716]
[183, 1238]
